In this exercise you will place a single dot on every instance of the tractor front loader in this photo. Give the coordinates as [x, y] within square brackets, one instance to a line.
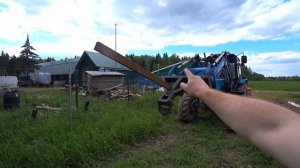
[220, 71]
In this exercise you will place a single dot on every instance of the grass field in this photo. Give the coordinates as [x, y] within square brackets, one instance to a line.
[276, 85]
[121, 134]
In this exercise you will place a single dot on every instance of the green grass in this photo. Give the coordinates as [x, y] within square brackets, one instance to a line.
[95, 135]
[117, 134]
[276, 85]
[201, 144]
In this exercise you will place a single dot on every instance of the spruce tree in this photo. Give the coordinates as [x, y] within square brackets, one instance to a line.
[26, 52]
[28, 59]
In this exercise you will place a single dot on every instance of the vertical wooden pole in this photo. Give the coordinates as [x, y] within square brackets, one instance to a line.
[70, 105]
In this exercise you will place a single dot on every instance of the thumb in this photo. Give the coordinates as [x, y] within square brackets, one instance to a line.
[183, 86]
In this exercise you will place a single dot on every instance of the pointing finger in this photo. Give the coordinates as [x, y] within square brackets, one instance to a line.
[187, 73]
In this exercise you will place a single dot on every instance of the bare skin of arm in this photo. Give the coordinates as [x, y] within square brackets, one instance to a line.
[272, 128]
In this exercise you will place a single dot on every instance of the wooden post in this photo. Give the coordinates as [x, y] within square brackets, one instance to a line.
[70, 105]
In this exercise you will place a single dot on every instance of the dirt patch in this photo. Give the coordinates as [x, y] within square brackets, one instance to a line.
[280, 97]
[284, 103]
[223, 162]
[164, 142]
[280, 102]
[229, 158]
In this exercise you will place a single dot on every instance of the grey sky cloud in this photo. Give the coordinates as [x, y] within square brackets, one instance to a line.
[241, 19]
[218, 21]
[189, 16]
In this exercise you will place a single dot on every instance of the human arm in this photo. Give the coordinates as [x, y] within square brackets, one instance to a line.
[272, 128]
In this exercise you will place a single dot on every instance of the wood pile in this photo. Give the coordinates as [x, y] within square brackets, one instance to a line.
[47, 108]
[118, 92]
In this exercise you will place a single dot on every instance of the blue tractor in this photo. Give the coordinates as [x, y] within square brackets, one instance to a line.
[220, 71]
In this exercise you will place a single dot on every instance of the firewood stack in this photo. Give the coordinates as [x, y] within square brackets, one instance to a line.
[115, 93]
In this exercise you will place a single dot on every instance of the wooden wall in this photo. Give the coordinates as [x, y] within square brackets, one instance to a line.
[99, 83]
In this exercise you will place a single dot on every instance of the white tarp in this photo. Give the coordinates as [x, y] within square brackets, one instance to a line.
[41, 78]
[8, 82]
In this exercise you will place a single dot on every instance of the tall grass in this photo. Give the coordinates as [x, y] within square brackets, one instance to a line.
[96, 135]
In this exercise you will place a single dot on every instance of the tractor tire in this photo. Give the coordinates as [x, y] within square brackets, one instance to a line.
[186, 112]
[242, 88]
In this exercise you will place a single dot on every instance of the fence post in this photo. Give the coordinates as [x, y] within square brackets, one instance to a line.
[76, 85]
[70, 105]
[128, 83]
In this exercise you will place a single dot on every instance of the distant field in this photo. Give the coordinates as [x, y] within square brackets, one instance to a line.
[276, 85]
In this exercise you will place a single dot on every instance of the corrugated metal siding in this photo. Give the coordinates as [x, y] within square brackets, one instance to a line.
[58, 67]
[102, 61]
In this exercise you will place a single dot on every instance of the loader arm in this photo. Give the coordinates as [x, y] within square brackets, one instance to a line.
[106, 51]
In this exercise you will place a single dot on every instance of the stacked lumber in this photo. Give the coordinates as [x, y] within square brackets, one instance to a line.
[118, 92]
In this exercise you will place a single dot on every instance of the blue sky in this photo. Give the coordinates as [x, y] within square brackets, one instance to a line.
[259, 46]
[267, 31]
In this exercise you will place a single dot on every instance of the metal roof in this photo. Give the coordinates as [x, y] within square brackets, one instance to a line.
[62, 66]
[98, 73]
[102, 61]
[58, 67]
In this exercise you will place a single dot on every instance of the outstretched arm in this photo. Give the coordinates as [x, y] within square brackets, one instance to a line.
[272, 128]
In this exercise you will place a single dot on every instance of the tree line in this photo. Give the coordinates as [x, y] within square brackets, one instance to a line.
[151, 63]
[254, 76]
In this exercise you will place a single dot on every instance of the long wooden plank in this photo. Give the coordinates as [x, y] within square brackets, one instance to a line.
[108, 52]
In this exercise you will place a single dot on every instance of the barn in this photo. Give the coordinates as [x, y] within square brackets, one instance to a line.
[98, 81]
[94, 61]
[59, 70]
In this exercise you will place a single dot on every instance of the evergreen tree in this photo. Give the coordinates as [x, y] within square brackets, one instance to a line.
[143, 62]
[28, 59]
[26, 52]
[152, 63]
[165, 60]
[157, 59]
[4, 61]
[49, 59]
[14, 66]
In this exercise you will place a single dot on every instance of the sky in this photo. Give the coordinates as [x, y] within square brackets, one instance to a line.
[267, 31]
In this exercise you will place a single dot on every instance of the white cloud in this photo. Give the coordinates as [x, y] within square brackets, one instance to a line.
[77, 25]
[284, 63]
[187, 54]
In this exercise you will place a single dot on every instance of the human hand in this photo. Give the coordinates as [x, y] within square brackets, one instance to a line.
[195, 86]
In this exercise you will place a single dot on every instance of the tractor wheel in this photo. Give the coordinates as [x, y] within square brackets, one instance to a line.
[243, 89]
[187, 110]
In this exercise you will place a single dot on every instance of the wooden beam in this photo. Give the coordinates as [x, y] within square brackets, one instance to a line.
[108, 52]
